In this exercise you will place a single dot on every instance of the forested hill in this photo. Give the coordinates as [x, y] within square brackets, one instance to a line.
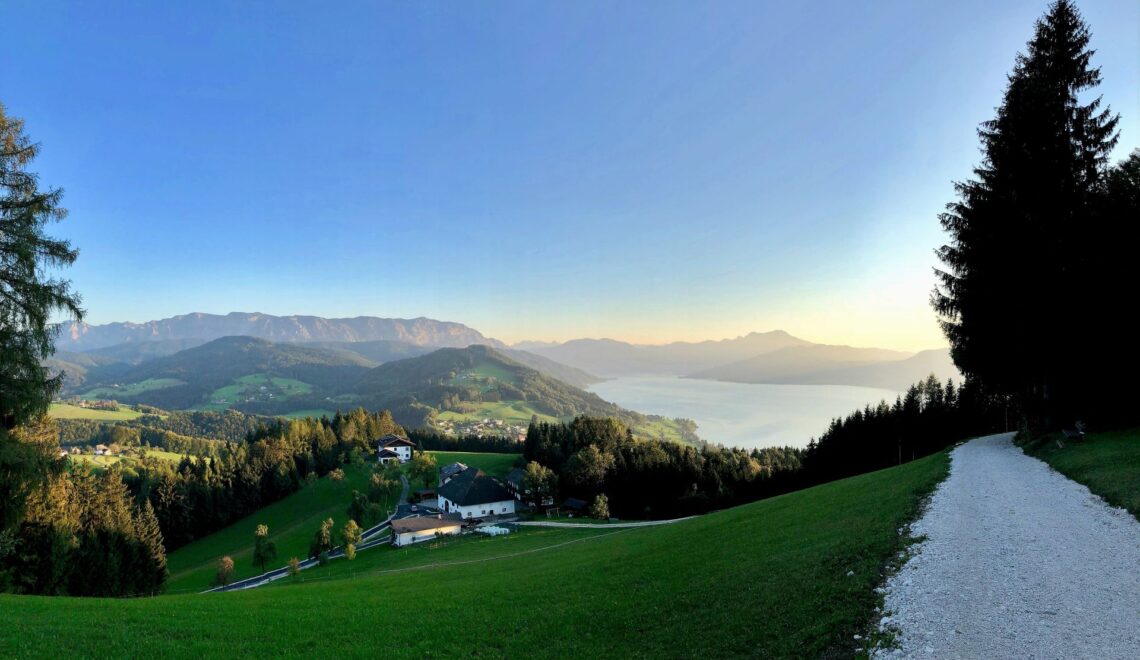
[458, 384]
[200, 376]
[206, 327]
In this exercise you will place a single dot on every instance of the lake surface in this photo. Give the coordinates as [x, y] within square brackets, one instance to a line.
[740, 414]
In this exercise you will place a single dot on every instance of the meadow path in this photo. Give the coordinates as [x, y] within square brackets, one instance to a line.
[1018, 561]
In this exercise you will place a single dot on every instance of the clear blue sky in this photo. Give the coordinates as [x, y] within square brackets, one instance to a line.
[645, 171]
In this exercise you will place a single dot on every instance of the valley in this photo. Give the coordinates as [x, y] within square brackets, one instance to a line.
[452, 379]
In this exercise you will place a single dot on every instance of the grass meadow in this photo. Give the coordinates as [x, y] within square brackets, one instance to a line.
[1108, 463]
[788, 576]
[292, 522]
[68, 411]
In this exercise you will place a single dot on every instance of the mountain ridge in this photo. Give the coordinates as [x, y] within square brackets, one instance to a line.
[421, 331]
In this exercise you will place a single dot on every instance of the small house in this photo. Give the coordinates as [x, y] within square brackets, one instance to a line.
[515, 482]
[398, 445]
[386, 456]
[101, 450]
[473, 494]
[407, 531]
[515, 486]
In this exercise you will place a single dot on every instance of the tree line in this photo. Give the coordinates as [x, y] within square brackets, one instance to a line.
[591, 457]
[653, 478]
[929, 417]
[196, 497]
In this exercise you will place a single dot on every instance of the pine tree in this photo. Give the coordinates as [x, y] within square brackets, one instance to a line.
[28, 299]
[1016, 229]
[153, 571]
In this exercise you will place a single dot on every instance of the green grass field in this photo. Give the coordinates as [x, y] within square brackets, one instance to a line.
[250, 386]
[496, 465]
[789, 576]
[385, 559]
[107, 461]
[131, 389]
[1108, 463]
[310, 412]
[292, 522]
[511, 412]
[481, 376]
[68, 411]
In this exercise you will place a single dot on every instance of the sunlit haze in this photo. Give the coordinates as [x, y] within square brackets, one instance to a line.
[643, 171]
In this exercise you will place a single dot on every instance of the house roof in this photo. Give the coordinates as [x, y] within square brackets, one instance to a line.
[451, 469]
[423, 524]
[393, 440]
[515, 476]
[388, 453]
[471, 487]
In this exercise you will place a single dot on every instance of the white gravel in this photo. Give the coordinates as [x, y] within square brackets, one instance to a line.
[1019, 562]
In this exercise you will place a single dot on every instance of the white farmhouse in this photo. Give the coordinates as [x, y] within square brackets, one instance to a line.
[397, 444]
[472, 494]
[406, 531]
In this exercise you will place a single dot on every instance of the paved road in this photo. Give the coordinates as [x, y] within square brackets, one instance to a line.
[369, 538]
[617, 525]
[1019, 561]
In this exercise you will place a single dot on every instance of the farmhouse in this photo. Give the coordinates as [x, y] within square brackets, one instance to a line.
[473, 494]
[413, 530]
[448, 471]
[515, 487]
[398, 445]
[387, 456]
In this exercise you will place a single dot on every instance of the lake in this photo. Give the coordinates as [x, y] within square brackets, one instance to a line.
[740, 414]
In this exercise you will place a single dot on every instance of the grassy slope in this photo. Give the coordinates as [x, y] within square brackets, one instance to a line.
[105, 461]
[131, 389]
[770, 578]
[68, 411]
[1108, 463]
[292, 522]
[496, 465]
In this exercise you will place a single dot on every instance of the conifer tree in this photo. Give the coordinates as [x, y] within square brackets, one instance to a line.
[29, 297]
[1016, 230]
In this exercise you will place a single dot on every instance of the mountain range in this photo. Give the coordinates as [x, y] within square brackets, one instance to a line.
[275, 364]
[770, 357]
[206, 327]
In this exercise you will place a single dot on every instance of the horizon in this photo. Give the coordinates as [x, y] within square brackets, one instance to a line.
[515, 343]
[540, 174]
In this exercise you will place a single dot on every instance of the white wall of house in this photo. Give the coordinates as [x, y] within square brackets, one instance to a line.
[408, 538]
[404, 452]
[503, 508]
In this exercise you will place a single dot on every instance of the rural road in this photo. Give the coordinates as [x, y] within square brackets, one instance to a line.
[1018, 561]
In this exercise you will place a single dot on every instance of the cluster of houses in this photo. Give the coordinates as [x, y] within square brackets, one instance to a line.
[464, 495]
[483, 428]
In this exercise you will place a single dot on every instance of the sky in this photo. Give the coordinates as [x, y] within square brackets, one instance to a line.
[646, 171]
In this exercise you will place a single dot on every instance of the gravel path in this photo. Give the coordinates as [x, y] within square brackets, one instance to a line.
[1020, 562]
